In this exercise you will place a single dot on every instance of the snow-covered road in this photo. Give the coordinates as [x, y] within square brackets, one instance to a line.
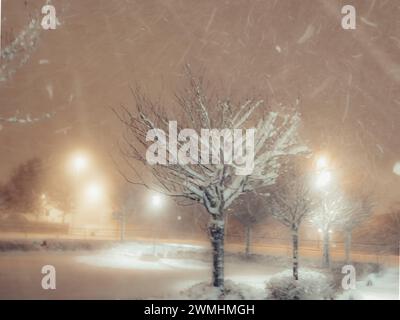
[131, 271]
[112, 275]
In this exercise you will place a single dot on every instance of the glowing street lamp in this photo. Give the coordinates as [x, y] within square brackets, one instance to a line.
[156, 201]
[323, 179]
[324, 174]
[80, 163]
[322, 163]
[93, 192]
[396, 168]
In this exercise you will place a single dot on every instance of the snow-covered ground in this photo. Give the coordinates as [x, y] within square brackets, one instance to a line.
[127, 271]
[383, 285]
[142, 271]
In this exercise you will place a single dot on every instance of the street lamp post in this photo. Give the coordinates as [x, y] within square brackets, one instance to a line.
[156, 203]
[77, 165]
[120, 216]
[323, 180]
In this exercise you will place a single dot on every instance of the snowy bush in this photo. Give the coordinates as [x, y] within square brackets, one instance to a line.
[233, 291]
[311, 285]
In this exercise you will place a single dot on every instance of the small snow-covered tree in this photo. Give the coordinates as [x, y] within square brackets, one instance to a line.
[249, 211]
[215, 185]
[291, 201]
[331, 211]
[358, 210]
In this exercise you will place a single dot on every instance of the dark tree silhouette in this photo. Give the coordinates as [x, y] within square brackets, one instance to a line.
[250, 210]
[22, 193]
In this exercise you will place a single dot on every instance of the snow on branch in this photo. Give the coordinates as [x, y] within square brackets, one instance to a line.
[291, 199]
[27, 119]
[333, 209]
[213, 184]
[359, 209]
[250, 209]
[18, 52]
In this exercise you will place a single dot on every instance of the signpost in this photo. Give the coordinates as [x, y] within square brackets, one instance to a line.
[121, 218]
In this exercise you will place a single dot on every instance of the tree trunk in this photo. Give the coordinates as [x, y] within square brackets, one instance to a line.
[326, 254]
[347, 246]
[295, 238]
[248, 241]
[216, 229]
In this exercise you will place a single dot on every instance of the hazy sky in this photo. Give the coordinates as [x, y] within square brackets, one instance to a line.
[347, 81]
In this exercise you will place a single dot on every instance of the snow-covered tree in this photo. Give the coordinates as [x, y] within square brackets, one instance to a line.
[291, 201]
[249, 210]
[216, 185]
[358, 210]
[331, 211]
